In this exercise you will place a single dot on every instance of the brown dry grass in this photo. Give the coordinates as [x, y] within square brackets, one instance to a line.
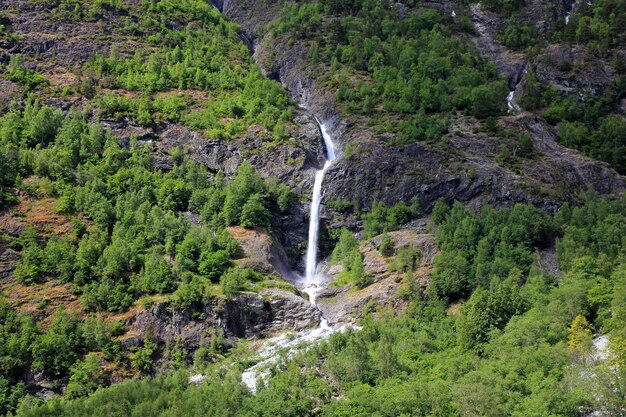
[39, 214]
[41, 300]
[454, 309]
[60, 77]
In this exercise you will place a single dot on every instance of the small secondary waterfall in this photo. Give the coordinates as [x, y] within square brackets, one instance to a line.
[314, 222]
[510, 102]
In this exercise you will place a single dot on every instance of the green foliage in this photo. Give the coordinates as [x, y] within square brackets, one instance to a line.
[254, 213]
[386, 245]
[486, 99]
[206, 55]
[85, 377]
[486, 311]
[407, 260]
[479, 248]
[579, 336]
[24, 76]
[598, 25]
[345, 246]
[504, 6]
[353, 271]
[214, 264]
[234, 280]
[440, 211]
[518, 37]
[136, 210]
[590, 125]
[246, 184]
[382, 218]
[156, 275]
[17, 334]
[29, 267]
[57, 349]
[606, 143]
[143, 356]
[412, 66]
[341, 206]
[282, 194]
[506, 353]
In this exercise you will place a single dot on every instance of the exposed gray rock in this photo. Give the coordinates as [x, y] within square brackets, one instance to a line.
[510, 65]
[248, 315]
[344, 304]
[573, 69]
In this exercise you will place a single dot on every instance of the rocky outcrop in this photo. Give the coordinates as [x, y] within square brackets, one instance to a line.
[344, 304]
[510, 65]
[251, 16]
[249, 315]
[292, 161]
[56, 40]
[261, 251]
[572, 69]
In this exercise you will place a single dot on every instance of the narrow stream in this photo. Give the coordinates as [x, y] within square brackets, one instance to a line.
[569, 13]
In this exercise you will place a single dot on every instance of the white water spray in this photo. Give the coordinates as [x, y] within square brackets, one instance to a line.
[314, 222]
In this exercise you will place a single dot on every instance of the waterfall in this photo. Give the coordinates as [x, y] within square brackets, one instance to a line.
[269, 354]
[314, 222]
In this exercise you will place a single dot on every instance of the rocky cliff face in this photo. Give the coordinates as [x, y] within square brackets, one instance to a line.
[248, 316]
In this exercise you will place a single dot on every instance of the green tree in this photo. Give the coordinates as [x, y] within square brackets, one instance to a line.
[238, 192]
[579, 337]
[57, 349]
[255, 214]
[232, 282]
[155, 276]
[345, 246]
[386, 245]
[85, 377]
[214, 264]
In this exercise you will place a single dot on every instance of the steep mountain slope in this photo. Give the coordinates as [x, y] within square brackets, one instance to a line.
[154, 195]
[464, 161]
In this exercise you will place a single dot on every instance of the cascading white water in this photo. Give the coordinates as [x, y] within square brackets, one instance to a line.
[314, 222]
[510, 102]
[269, 354]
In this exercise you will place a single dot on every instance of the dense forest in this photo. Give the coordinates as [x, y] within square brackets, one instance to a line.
[521, 344]
[522, 312]
[131, 234]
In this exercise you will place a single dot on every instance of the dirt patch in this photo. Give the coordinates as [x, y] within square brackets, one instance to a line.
[61, 78]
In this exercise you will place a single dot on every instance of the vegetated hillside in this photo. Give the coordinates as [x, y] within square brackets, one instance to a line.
[138, 143]
[520, 345]
[136, 241]
[418, 111]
